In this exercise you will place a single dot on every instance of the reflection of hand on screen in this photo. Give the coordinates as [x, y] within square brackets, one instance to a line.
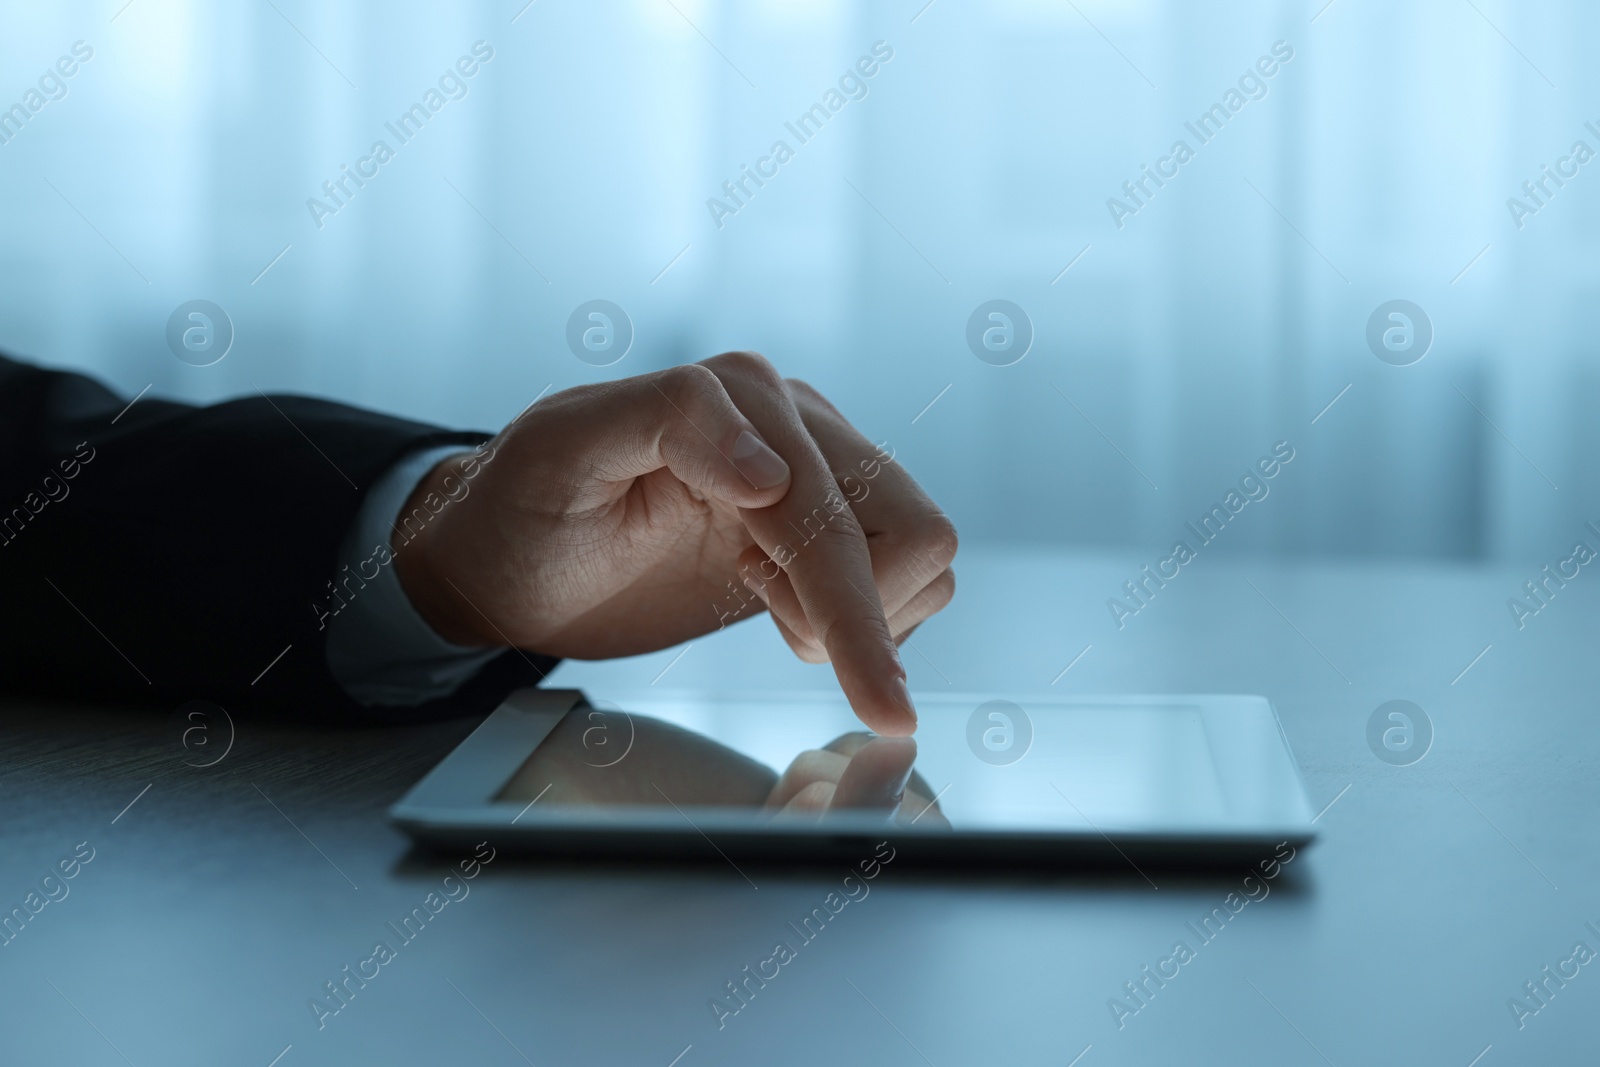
[663, 764]
[857, 772]
[667, 764]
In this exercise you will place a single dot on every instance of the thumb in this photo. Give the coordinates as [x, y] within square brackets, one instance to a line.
[683, 419]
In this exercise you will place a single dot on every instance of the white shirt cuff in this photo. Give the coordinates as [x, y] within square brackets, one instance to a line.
[380, 650]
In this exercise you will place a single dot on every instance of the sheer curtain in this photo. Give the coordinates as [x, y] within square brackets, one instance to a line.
[584, 161]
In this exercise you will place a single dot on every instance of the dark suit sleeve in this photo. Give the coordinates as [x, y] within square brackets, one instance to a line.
[165, 552]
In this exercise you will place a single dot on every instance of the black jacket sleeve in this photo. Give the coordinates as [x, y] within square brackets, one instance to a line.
[163, 552]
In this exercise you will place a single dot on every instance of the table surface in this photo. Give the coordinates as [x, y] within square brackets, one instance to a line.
[220, 902]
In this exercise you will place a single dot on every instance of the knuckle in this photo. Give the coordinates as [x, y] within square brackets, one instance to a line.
[692, 387]
[938, 540]
[808, 394]
[748, 364]
[690, 378]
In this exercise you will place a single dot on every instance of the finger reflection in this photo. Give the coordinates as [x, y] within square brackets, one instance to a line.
[857, 773]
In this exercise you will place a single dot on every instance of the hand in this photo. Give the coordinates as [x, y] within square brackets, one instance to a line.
[858, 772]
[621, 518]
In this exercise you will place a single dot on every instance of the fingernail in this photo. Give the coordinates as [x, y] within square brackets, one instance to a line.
[757, 462]
[903, 696]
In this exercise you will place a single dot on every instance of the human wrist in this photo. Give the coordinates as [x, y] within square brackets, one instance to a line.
[426, 556]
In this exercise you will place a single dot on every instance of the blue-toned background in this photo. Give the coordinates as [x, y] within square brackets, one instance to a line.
[1221, 318]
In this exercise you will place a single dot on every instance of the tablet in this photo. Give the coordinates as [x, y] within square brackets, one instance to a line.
[1121, 780]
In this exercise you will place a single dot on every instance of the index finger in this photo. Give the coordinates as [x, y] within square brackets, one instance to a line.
[876, 776]
[816, 539]
[847, 745]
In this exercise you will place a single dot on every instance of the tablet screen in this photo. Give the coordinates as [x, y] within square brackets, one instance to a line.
[1029, 764]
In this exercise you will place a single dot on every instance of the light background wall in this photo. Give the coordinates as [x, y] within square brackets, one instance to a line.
[1218, 320]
